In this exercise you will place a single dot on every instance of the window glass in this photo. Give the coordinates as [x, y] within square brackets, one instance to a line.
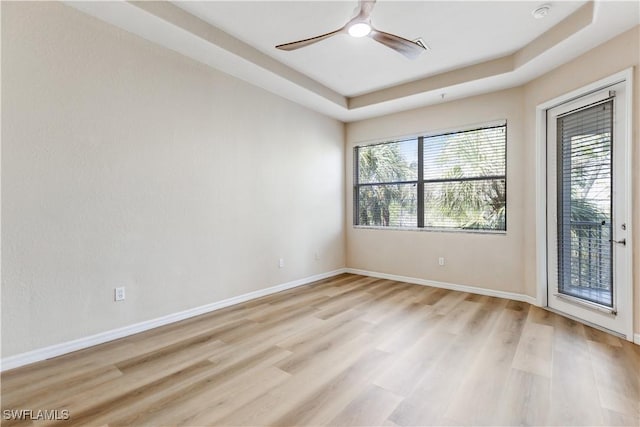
[459, 181]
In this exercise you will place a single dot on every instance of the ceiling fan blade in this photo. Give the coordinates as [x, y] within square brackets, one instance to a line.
[306, 42]
[406, 47]
[366, 7]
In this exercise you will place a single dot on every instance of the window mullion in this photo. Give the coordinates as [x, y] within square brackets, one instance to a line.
[420, 186]
[356, 191]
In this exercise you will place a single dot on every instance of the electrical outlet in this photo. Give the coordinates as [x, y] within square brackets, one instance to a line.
[441, 261]
[281, 263]
[118, 294]
[316, 256]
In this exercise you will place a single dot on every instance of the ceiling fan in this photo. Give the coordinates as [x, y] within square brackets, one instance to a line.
[360, 26]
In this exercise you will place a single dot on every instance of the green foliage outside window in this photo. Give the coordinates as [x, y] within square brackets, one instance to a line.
[464, 182]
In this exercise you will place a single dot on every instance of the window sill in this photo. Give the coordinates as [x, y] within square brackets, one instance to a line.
[436, 230]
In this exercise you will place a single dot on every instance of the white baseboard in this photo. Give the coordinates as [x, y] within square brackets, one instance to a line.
[40, 354]
[55, 350]
[444, 285]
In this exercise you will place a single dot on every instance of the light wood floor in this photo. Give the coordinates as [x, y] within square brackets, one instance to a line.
[349, 350]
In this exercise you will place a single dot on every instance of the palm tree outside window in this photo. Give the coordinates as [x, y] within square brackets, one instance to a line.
[451, 181]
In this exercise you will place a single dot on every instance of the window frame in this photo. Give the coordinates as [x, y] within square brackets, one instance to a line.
[420, 181]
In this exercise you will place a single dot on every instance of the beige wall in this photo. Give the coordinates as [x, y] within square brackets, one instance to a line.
[125, 164]
[486, 260]
[497, 262]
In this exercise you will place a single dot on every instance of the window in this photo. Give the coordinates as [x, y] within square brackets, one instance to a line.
[454, 181]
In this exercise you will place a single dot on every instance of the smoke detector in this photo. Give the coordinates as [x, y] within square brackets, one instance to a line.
[541, 11]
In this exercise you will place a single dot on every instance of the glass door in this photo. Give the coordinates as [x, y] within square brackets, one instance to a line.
[584, 203]
[586, 229]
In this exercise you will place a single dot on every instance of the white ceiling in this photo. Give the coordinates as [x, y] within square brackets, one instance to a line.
[459, 33]
[476, 47]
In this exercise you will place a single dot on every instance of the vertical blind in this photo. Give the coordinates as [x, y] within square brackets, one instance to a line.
[585, 268]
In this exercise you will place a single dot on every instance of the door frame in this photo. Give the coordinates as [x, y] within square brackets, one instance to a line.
[625, 76]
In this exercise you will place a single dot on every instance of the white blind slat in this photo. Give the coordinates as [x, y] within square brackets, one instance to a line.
[584, 204]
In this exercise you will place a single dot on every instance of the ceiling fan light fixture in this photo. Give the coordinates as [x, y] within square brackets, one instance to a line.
[359, 29]
[360, 26]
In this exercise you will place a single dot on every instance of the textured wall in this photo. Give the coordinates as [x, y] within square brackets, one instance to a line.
[126, 164]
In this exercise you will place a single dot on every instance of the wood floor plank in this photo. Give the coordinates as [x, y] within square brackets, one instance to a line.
[612, 418]
[412, 364]
[153, 378]
[574, 394]
[42, 397]
[215, 405]
[475, 401]
[535, 349]
[327, 401]
[277, 403]
[309, 351]
[525, 399]
[569, 336]
[53, 372]
[617, 378]
[428, 402]
[213, 395]
[458, 318]
[369, 408]
[346, 350]
[318, 328]
[413, 327]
